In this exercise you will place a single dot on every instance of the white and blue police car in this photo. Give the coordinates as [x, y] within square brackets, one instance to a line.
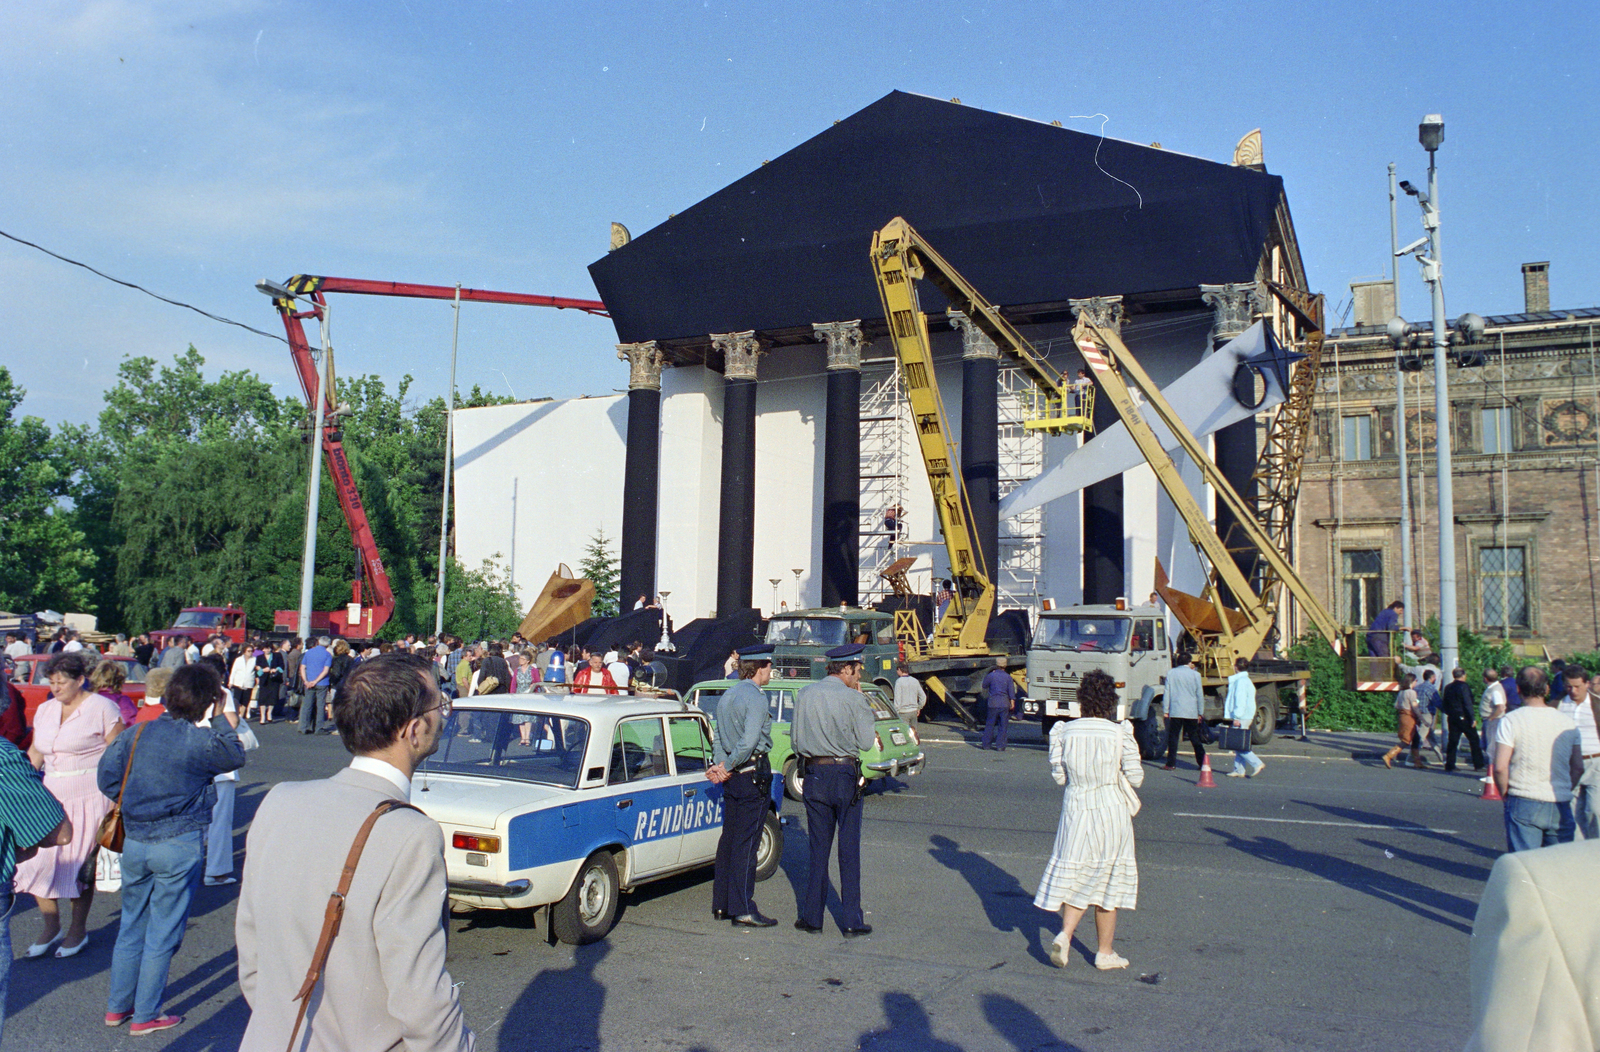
[567, 801]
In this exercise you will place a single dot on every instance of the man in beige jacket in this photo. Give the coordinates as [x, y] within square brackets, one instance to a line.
[1535, 953]
[385, 985]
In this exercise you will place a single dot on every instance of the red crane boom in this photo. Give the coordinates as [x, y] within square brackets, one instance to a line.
[364, 620]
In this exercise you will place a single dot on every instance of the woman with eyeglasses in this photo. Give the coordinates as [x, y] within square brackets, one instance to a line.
[71, 730]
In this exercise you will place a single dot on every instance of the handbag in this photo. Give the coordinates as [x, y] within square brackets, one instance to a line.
[1130, 797]
[111, 831]
[247, 737]
[1204, 733]
[1233, 739]
[334, 913]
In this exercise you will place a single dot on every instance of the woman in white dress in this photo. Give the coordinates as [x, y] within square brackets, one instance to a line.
[1093, 861]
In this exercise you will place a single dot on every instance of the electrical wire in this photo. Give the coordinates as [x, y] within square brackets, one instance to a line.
[141, 288]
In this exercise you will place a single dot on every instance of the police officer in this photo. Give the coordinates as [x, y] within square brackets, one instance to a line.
[832, 725]
[744, 737]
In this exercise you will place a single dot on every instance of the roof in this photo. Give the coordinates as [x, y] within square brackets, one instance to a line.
[1030, 213]
[583, 706]
[1546, 317]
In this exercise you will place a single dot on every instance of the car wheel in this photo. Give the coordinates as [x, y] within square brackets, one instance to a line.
[769, 849]
[794, 783]
[1153, 733]
[1266, 719]
[589, 909]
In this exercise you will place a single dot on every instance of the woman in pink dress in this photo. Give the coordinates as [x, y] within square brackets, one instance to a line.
[70, 731]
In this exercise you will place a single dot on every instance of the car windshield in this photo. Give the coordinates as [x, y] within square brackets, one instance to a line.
[1106, 634]
[198, 619]
[491, 744]
[881, 708]
[822, 631]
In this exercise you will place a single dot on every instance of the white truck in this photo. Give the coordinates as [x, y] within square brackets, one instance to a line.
[1129, 644]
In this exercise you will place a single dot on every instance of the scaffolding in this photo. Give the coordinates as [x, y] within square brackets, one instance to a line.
[1020, 574]
[885, 460]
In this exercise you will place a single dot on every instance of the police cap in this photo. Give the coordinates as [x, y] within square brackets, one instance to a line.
[848, 652]
[756, 652]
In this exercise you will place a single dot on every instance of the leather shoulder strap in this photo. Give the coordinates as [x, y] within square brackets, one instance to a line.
[128, 768]
[334, 913]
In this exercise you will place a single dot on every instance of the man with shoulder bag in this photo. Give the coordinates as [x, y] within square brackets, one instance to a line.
[382, 973]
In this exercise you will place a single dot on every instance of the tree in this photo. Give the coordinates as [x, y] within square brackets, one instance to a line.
[478, 604]
[600, 566]
[47, 563]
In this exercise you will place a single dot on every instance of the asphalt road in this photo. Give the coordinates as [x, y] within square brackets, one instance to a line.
[1326, 904]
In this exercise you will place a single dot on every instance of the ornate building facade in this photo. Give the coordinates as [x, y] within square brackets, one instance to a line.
[1527, 473]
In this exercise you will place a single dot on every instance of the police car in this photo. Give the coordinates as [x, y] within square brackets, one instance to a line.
[567, 801]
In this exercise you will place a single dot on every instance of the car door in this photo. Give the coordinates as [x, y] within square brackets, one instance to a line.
[701, 823]
[646, 793]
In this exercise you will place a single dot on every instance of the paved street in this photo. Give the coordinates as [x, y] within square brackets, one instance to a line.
[1326, 904]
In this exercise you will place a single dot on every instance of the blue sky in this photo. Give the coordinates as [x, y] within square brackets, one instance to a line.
[194, 146]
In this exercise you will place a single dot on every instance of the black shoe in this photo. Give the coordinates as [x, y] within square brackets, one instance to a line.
[865, 929]
[754, 920]
[719, 914]
[1169, 767]
[803, 926]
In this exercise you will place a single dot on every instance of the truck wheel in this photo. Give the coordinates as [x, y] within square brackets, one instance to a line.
[589, 909]
[1266, 721]
[793, 783]
[1152, 733]
[769, 849]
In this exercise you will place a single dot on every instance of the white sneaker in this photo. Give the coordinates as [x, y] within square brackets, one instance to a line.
[1259, 768]
[1237, 772]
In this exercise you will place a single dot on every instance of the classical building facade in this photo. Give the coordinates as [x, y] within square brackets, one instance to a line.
[1527, 470]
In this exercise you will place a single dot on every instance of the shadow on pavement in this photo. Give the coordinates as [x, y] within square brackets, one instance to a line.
[1008, 905]
[1355, 814]
[1021, 1026]
[909, 1029]
[1397, 891]
[560, 1009]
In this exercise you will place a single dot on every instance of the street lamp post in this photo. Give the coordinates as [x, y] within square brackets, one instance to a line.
[797, 572]
[449, 469]
[775, 582]
[1400, 410]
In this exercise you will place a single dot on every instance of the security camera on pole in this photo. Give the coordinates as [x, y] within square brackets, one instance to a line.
[1469, 328]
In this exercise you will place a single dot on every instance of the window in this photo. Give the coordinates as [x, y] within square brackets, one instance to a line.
[1497, 429]
[1503, 586]
[518, 746]
[1362, 580]
[1358, 437]
[1161, 635]
[886, 633]
[780, 703]
[691, 749]
[638, 751]
[1143, 635]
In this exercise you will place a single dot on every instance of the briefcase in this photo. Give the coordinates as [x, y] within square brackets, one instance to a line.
[1233, 739]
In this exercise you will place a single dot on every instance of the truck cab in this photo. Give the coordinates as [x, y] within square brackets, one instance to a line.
[802, 638]
[1129, 644]
[200, 623]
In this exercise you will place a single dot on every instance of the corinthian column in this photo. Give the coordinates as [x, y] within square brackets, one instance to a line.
[1105, 562]
[841, 464]
[1234, 308]
[736, 521]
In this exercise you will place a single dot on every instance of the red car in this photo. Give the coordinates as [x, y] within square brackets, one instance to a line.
[30, 679]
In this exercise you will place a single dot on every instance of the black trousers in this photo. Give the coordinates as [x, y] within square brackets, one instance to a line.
[1179, 728]
[744, 809]
[833, 803]
[1460, 725]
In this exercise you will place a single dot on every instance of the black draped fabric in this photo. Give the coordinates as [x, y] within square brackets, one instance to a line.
[1029, 213]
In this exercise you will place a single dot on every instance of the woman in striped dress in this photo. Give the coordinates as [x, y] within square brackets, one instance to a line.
[1093, 861]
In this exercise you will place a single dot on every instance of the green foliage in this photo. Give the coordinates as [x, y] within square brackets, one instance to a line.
[478, 604]
[1588, 659]
[47, 562]
[1331, 706]
[600, 565]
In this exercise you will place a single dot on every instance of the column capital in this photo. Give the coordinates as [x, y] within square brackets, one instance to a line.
[975, 343]
[740, 351]
[644, 364]
[844, 343]
[1234, 306]
[1104, 311]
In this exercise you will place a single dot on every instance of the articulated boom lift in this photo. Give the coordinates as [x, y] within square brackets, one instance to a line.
[365, 619]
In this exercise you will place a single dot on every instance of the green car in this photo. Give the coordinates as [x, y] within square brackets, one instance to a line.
[897, 751]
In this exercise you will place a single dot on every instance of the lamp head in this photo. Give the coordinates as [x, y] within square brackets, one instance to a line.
[1399, 333]
[1469, 327]
[1431, 132]
[273, 289]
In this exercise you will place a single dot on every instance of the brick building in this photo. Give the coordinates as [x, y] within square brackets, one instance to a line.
[1527, 469]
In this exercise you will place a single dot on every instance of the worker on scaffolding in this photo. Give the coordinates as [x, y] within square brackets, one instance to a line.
[1078, 395]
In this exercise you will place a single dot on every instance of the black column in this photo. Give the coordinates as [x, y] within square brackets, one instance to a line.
[1104, 565]
[980, 454]
[841, 490]
[736, 523]
[641, 479]
[1235, 454]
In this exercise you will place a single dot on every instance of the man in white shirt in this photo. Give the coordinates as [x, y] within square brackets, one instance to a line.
[73, 643]
[1537, 762]
[16, 646]
[1491, 707]
[1579, 704]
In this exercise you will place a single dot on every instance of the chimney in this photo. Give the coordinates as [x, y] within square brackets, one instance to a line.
[1536, 287]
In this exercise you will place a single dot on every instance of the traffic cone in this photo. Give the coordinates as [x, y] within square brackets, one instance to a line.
[1490, 790]
[1206, 781]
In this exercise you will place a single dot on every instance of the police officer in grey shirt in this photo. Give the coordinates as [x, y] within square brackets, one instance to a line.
[744, 737]
[1186, 707]
[832, 725]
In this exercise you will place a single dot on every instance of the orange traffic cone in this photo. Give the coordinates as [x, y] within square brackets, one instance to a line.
[1490, 790]
[1206, 781]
